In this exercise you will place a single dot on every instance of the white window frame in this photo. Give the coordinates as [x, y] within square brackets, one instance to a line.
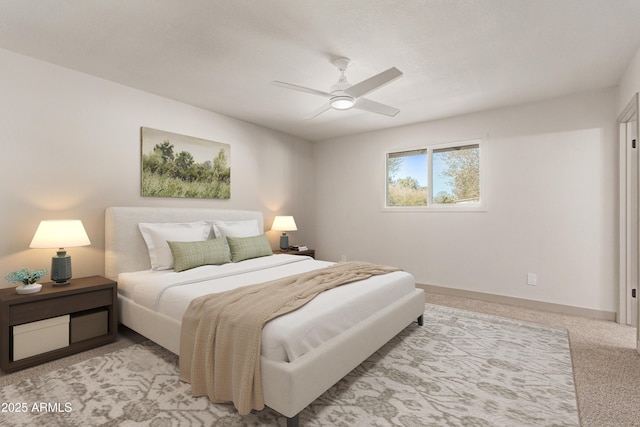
[441, 207]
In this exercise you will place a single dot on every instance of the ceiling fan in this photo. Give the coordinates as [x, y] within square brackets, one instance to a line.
[343, 96]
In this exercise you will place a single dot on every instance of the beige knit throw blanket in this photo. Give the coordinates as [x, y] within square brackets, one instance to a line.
[221, 333]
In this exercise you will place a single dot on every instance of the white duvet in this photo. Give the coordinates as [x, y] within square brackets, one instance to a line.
[287, 337]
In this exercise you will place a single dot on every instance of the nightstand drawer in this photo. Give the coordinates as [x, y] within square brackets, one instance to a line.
[33, 310]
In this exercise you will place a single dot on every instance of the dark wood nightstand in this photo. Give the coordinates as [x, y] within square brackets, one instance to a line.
[91, 306]
[308, 252]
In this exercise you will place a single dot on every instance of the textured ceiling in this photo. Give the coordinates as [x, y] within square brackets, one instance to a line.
[458, 56]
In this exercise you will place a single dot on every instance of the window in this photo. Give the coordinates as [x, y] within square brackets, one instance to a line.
[439, 177]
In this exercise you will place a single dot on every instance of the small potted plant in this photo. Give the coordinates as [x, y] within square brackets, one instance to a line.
[28, 278]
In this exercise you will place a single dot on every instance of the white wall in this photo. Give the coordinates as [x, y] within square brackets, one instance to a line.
[71, 147]
[630, 83]
[552, 186]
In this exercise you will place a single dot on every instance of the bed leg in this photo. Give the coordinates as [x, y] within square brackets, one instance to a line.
[293, 421]
[421, 320]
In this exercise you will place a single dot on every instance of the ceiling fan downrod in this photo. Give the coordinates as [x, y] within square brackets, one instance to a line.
[341, 100]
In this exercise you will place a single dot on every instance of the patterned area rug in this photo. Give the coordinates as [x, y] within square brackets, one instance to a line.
[459, 369]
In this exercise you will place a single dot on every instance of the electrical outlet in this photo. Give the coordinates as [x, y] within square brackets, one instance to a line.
[343, 257]
[532, 279]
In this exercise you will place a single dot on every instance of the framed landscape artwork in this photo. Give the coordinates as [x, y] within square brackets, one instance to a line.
[175, 165]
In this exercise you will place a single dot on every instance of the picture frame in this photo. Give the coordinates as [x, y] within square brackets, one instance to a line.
[175, 165]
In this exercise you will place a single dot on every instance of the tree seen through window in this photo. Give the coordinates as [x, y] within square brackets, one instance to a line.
[452, 171]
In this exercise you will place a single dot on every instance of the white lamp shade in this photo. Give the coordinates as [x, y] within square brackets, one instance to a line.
[284, 223]
[60, 233]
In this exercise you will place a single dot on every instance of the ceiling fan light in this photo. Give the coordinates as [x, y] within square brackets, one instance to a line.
[342, 102]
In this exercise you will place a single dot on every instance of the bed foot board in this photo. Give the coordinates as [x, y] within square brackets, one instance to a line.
[293, 421]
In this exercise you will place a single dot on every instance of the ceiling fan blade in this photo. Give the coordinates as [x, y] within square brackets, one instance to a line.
[319, 111]
[373, 83]
[375, 107]
[302, 89]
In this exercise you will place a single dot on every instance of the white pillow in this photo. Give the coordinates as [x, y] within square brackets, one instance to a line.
[222, 229]
[156, 236]
[249, 228]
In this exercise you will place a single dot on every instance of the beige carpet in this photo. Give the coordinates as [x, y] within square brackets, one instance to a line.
[606, 365]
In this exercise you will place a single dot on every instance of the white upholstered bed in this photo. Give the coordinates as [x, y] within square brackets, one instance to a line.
[304, 352]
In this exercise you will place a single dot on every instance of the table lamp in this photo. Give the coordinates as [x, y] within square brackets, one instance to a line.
[61, 234]
[284, 224]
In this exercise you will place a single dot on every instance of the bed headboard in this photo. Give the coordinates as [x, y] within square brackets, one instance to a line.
[125, 249]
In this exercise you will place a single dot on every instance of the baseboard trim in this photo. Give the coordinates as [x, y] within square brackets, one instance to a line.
[521, 302]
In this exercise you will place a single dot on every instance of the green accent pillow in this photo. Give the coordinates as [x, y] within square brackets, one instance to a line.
[187, 255]
[249, 247]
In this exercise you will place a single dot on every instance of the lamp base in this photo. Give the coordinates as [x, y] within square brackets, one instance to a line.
[66, 283]
[61, 268]
[284, 242]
